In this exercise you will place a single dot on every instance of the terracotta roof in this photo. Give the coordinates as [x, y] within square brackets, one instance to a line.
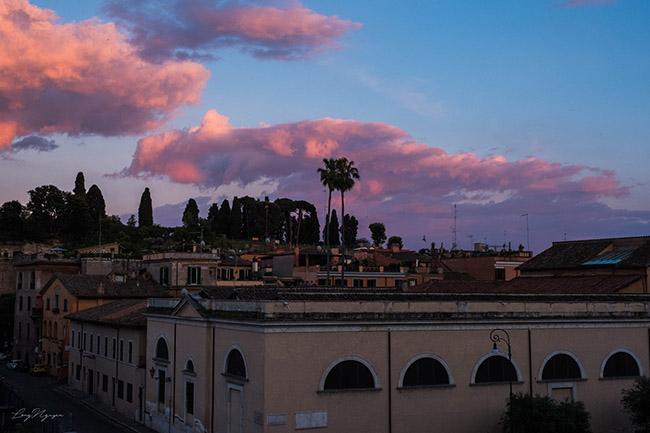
[126, 312]
[571, 285]
[574, 254]
[231, 261]
[456, 286]
[103, 286]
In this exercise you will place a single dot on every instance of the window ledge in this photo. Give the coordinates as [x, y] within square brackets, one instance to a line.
[337, 391]
[161, 361]
[235, 377]
[507, 382]
[619, 377]
[418, 387]
[561, 380]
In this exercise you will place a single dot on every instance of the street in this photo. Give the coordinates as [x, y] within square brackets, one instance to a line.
[44, 392]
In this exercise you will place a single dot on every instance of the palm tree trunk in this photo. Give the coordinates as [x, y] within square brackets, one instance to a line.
[343, 237]
[327, 234]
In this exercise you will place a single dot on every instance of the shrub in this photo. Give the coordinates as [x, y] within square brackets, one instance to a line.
[535, 414]
[636, 402]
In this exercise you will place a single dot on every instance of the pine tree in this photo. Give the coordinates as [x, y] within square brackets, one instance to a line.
[191, 215]
[80, 186]
[145, 210]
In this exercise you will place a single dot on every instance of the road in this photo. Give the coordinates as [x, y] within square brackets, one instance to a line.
[44, 392]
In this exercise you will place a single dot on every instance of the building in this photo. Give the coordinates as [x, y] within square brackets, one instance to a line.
[175, 271]
[280, 360]
[65, 294]
[32, 273]
[107, 354]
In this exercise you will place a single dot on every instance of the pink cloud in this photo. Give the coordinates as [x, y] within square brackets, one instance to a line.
[284, 32]
[80, 78]
[392, 164]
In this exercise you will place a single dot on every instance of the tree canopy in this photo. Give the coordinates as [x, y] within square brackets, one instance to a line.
[145, 210]
[378, 234]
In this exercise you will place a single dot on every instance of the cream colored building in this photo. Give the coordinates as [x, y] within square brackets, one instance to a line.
[261, 360]
[107, 354]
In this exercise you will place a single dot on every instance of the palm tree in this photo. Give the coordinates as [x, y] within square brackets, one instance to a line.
[328, 178]
[346, 174]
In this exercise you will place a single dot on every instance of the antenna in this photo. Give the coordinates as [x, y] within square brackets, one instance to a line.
[527, 232]
[471, 240]
[454, 240]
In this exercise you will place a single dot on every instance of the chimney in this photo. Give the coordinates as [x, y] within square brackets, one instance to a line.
[100, 288]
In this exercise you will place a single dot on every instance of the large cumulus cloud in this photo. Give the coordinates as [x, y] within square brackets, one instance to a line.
[191, 28]
[400, 176]
[82, 78]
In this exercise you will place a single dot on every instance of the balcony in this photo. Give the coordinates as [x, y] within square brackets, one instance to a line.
[55, 310]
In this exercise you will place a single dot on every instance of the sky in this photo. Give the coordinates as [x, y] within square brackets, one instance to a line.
[530, 119]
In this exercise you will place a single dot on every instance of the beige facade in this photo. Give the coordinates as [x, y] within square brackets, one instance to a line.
[295, 346]
[110, 366]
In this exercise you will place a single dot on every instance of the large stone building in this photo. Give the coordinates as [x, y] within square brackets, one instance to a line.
[260, 360]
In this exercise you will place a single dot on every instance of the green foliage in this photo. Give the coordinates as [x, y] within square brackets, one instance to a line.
[96, 203]
[334, 229]
[378, 234]
[636, 402]
[80, 186]
[48, 207]
[535, 414]
[235, 220]
[396, 240]
[351, 227]
[12, 222]
[145, 210]
[191, 215]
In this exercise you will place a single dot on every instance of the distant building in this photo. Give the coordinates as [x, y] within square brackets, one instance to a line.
[112, 368]
[65, 294]
[32, 272]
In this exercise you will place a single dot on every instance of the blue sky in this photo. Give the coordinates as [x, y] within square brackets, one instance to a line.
[566, 83]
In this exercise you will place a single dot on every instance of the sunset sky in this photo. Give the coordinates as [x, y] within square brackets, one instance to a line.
[503, 108]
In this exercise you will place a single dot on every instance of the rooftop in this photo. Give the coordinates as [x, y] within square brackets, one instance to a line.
[103, 286]
[126, 312]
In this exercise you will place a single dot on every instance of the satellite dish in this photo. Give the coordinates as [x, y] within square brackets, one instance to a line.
[184, 292]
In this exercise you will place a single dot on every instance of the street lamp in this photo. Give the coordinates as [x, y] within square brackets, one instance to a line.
[497, 336]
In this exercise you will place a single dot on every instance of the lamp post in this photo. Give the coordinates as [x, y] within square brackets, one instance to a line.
[497, 336]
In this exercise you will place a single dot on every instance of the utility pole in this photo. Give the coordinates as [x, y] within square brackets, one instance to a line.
[527, 232]
[454, 239]
[471, 241]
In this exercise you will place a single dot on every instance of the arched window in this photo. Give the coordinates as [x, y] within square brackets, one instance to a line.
[162, 352]
[425, 370]
[350, 374]
[55, 335]
[495, 369]
[235, 364]
[562, 366]
[189, 366]
[49, 329]
[621, 364]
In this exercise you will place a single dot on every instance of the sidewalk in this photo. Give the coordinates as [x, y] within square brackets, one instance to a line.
[126, 424]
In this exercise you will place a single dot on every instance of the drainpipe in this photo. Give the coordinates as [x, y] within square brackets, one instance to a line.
[173, 384]
[530, 365]
[117, 356]
[212, 380]
[390, 388]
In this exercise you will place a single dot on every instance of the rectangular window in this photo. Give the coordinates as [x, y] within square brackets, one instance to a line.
[372, 283]
[47, 304]
[357, 282]
[79, 340]
[32, 281]
[104, 383]
[130, 352]
[29, 303]
[84, 341]
[78, 372]
[399, 284]
[164, 276]
[129, 392]
[120, 389]
[226, 274]
[500, 274]
[72, 338]
[91, 343]
[322, 282]
[114, 348]
[19, 283]
[121, 350]
[65, 304]
[56, 301]
[105, 346]
[194, 275]
[99, 343]
[189, 397]
[20, 303]
[161, 386]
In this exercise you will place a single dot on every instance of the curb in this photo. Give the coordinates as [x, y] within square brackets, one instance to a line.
[96, 410]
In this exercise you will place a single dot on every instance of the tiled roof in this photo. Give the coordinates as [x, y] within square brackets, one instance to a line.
[232, 261]
[616, 252]
[561, 285]
[103, 286]
[570, 285]
[126, 312]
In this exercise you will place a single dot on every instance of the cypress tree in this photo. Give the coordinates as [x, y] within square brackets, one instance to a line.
[191, 215]
[235, 219]
[334, 229]
[80, 186]
[96, 202]
[145, 210]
